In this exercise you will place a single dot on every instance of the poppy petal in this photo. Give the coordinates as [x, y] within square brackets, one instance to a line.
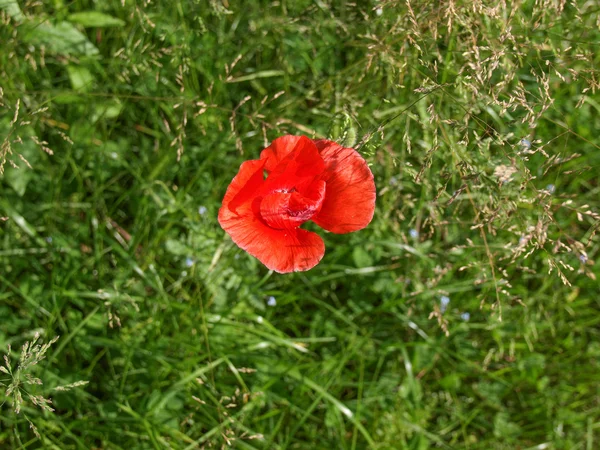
[244, 185]
[297, 148]
[349, 202]
[288, 251]
[283, 251]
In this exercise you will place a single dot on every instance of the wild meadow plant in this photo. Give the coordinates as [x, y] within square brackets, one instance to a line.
[20, 380]
[465, 315]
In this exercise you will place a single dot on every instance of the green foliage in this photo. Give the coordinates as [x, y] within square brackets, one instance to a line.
[464, 316]
[93, 19]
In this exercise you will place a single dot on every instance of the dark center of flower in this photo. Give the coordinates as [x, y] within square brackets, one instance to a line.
[285, 191]
[289, 207]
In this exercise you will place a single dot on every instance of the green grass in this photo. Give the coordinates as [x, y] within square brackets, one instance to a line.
[122, 124]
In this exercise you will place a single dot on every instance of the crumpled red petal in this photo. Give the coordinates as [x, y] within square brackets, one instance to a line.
[287, 210]
[349, 202]
[297, 170]
[281, 250]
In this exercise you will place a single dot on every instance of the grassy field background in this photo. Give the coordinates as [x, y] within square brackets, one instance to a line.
[466, 316]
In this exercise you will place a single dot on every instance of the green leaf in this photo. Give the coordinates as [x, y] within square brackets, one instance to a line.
[361, 258]
[18, 178]
[95, 19]
[12, 9]
[107, 110]
[451, 382]
[62, 38]
[259, 74]
[81, 78]
[176, 247]
[504, 428]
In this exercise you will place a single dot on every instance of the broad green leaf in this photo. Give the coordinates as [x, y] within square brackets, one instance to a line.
[361, 257]
[81, 78]
[18, 178]
[12, 9]
[62, 38]
[92, 19]
[107, 110]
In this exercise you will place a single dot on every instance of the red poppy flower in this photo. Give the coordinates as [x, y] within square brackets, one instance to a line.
[305, 180]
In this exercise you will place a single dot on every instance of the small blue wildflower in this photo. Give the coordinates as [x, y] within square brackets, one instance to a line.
[271, 301]
[49, 240]
[526, 143]
[583, 258]
[465, 316]
[551, 188]
[444, 302]
[393, 181]
[189, 262]
[413, 233]
[202, 210]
